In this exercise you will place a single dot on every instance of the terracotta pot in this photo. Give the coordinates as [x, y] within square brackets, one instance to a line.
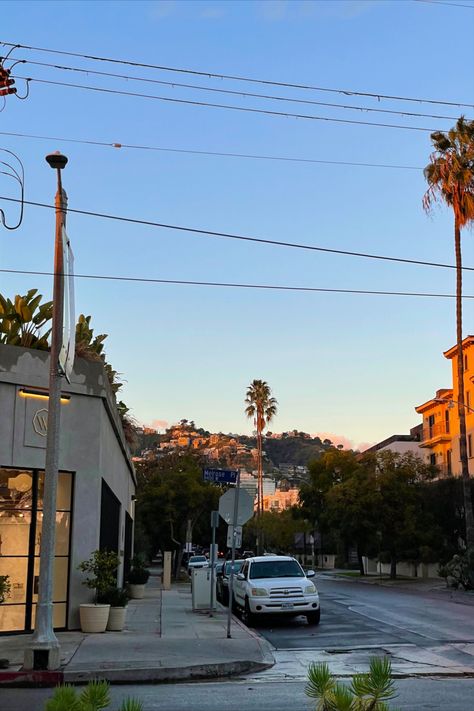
[116, 621]
[94, 618]
[136, 591]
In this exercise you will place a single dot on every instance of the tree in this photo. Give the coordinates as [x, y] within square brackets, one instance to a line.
[262, 407]
[450, 176]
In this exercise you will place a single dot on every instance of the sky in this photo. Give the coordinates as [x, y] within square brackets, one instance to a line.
[352, 366]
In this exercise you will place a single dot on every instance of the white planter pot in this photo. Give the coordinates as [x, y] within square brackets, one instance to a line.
[116, 621]
[136, 591]
[94, 618]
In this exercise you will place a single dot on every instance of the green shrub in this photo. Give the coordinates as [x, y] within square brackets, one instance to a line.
[366, 691]
[459, 570]
[115, 597]
[102, 568]
[94, 697]
[5, 587]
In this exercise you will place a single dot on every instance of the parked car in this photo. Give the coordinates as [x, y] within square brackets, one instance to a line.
[275, 585]
[197, 561]
[222, 580]
[248, 554]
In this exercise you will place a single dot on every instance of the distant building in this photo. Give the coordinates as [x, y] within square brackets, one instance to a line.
[280, 500]
[400, 443]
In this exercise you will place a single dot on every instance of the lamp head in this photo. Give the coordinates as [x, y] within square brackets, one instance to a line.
[56, 160]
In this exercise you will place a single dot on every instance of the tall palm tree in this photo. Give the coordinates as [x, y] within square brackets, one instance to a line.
[262, 407]
[450, 176]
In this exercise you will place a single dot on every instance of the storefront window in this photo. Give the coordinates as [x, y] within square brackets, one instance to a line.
[21, 521]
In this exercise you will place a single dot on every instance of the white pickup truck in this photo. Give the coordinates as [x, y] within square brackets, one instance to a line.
[275, 585]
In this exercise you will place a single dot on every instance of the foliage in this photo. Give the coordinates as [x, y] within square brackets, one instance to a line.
[367, 692]
[115, 597]
[102, 569]
[94, 697]
[22, 320]
[457, 570]
[5, 587]
[278, 529]
[170, 493]
[139, 573]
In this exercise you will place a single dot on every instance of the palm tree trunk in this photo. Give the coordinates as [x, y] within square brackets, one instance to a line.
[468, 514]
[259, 484]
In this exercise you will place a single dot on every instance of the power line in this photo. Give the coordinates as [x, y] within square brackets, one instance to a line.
[214, 75]
[207, 153]
[244, 94]
[243, 238]
[272, 287]
[207, 104]
[448, 4]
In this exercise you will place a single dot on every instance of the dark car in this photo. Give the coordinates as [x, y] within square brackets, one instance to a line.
[222, 580]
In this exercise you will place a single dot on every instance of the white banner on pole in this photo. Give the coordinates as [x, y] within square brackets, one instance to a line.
[68, 344]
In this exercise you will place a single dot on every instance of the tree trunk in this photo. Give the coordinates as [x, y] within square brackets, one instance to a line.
[393, 568]
[469, 518]
[259, 484]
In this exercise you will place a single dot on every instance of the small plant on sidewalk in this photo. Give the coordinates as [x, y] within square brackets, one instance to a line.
[94, 697]
[102, 569]
[139, 572]
[367, 692]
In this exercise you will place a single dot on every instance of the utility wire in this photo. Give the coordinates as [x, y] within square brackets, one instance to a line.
[244, 94]
[268, 112]
[207, 153]
[243, 238]
[448, 4]
[272, 287]
[214, 75]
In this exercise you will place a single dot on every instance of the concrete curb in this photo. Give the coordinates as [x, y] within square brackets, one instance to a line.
[145, 675]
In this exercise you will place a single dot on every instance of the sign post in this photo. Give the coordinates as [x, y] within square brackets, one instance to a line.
[232, 565]
[214, 524]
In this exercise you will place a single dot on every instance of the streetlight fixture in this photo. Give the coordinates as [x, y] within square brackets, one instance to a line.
[43, 652]
[451, 403]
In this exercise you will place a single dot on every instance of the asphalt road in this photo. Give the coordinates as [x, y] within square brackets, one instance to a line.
[413, 695]
[355, 615]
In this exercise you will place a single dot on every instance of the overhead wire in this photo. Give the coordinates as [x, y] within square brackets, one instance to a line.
[244, 94]
[242, 238]
[234, 285]
[224, 154]
[233, 77]
[232, 107]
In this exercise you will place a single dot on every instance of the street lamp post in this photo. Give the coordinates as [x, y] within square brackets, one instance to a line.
[43, 651]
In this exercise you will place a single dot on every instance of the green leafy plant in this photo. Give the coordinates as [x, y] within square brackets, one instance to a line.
[102, 571]
[5, 587]
[139, 572]
[115, 597]
[367, 692]
[22, 320]
[457, 571]
[94, 697]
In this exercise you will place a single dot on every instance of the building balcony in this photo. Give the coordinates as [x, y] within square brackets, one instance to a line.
[432, 434]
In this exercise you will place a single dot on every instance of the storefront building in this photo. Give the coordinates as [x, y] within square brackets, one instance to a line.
[96, 485]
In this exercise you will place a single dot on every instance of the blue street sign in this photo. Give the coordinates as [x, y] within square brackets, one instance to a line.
[220, 476]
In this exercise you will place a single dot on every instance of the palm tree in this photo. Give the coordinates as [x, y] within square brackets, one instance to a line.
[450, 176]
[262, 407]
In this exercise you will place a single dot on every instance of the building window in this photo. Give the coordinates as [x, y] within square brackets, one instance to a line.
[446, 420]
[468, 399]
[21, 521]
[433, 460]
[465, 363]
[469, 445]
[448, 462]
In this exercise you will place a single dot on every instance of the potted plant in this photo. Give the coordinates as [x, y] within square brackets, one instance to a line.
[5, 587]
[118, 599]
[137, 578]
[102, 571]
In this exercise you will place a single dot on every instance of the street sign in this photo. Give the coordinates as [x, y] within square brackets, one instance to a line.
[226, 506]
[220, 476]
[230, 536]
[214, 519]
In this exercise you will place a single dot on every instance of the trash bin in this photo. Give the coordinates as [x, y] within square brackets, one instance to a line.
[201, 589]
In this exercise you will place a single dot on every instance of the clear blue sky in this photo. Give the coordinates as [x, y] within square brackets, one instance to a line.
[352, 365]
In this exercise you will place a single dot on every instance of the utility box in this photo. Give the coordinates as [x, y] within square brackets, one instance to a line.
[201, 589]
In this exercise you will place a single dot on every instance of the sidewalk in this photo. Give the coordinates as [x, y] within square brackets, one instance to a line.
[164, 640]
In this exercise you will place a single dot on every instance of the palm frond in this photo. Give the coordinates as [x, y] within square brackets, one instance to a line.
[320, 681]
[377, 684]
[64, 699]
[95, 696]
[131, 705]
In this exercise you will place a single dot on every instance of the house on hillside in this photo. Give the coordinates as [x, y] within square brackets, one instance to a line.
[96, 484]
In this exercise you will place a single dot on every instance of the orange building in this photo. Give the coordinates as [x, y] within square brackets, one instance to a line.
[280, 500]
[440, 416]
